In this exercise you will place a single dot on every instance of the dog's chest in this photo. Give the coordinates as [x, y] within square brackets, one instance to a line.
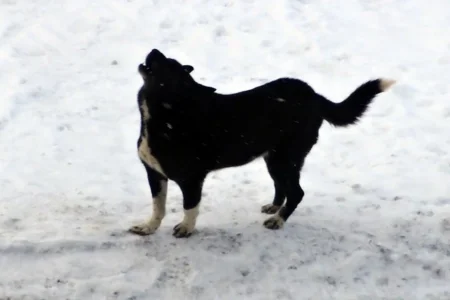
[144, 151]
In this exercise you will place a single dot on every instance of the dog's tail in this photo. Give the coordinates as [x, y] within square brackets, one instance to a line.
[352, 109]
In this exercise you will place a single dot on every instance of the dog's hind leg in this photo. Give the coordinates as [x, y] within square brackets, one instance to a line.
[158, 185]
[280, 194]
[192, 193]
[286, 165]
[287, 174]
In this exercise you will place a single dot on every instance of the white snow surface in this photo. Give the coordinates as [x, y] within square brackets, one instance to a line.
[375, 220]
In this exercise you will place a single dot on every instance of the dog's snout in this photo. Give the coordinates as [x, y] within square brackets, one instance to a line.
[144, 69]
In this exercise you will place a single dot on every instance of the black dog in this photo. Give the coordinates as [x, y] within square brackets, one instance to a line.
[188, 130]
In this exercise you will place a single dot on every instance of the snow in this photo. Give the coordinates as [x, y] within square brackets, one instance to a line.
[375, 221]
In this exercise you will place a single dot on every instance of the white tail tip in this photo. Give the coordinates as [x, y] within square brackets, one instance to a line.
[386, 83]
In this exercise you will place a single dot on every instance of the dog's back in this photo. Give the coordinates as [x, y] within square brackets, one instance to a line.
[231, 130]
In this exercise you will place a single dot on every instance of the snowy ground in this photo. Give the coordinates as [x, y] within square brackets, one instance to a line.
[375, 221]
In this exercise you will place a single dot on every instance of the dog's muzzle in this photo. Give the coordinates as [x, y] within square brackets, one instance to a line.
[144, 69]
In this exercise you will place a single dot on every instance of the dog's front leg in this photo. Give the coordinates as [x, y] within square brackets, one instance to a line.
[192, 193]
[158, 185]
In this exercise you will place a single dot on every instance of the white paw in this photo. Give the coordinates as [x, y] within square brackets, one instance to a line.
[270, 209]
[145, 228]
[183, 230]
[275, 222]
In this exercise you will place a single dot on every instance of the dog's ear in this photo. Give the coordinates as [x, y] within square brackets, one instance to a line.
[155, 56]
[188, 68]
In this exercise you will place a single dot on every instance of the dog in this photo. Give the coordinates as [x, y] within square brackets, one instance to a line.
[188, 130]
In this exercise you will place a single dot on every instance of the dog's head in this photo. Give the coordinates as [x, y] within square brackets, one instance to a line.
[162, 72]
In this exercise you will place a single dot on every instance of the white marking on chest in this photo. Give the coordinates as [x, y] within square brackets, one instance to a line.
[280, 100]
[145, 154]
[145, 111]
[144, 150]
